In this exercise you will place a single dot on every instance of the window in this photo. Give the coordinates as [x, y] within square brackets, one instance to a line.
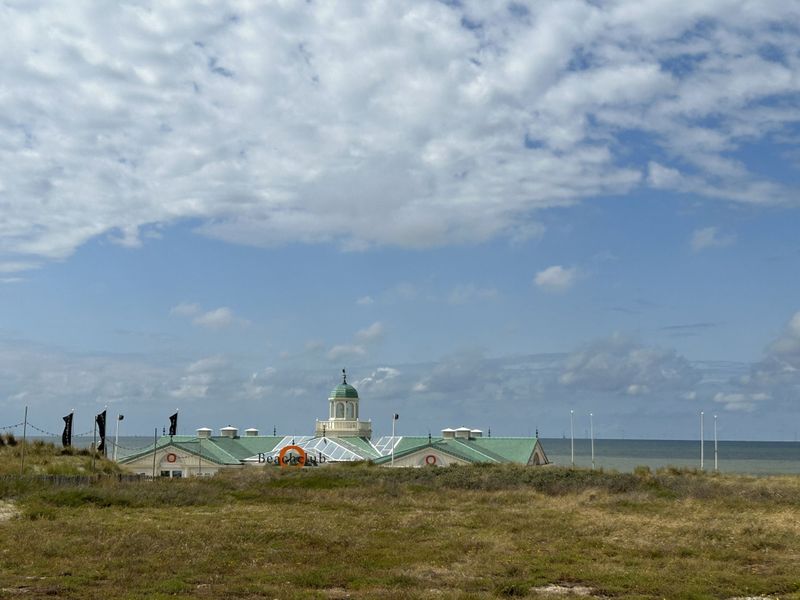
[165, 473]
[339, 410]
[177, 474]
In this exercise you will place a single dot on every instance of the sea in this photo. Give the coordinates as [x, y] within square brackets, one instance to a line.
[750, 458]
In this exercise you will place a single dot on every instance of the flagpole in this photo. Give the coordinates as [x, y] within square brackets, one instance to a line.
[116, 440]
[716, 468]
[591, 429]
[24, 441]
[94, 442]
[155, 441]
[393, 440]
[572, 437]
[701, 440]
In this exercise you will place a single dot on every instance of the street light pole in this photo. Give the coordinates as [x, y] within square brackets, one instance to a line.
[591, 429]
[116, 437]
[716, 454]
[701, 441]
[572, 437]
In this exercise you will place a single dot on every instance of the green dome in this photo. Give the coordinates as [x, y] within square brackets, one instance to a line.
[344, 390]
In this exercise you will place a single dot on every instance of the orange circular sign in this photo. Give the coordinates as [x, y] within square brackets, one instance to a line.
[430, 459]
[291, 461]
[172, 457]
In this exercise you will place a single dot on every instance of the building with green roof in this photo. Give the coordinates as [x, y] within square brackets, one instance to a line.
[342, 437]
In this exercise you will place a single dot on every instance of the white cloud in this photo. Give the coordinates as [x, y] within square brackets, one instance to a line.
[710, 237]
[218, 318]
[379, 381]
[736, 401]
[556, 278]
[372, 333]
[345, 351]
[185, 309]
[16, 266]
[375, 124]
[462, 294]
[618, 364]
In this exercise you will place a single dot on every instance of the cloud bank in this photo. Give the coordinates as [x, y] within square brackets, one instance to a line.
[401, 123]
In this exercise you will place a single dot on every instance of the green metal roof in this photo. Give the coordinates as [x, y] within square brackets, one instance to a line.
[480, 450]
[247, 446]
[344, 390]
[189, 444]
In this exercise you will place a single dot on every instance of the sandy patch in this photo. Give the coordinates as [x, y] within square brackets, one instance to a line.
[7, 511]
[564, 590]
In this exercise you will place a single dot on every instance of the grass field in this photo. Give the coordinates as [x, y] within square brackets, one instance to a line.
[370, 532]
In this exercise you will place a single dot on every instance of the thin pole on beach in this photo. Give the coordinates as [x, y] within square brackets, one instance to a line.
[572, 437]
[155, 442]
[94, 444]
[394, 442]
[24, 442]
[591, 430]
[701, 440]
[116, 438]
[716, 453]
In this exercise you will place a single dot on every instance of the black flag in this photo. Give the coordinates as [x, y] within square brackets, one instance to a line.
[101, 431]
[173, 424]
[66, 437]
[396, 416]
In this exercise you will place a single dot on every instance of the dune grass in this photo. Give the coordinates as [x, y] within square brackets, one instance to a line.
[43, 458]
[369, 532]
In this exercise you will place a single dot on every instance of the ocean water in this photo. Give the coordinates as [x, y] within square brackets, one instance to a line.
[753, 458]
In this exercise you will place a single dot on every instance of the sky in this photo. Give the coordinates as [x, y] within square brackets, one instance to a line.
[490, 213]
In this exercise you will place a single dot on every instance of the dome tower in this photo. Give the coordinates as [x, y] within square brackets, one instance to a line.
[343, 413]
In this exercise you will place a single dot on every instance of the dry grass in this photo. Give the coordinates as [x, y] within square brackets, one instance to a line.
[42, 458]
[366, 532]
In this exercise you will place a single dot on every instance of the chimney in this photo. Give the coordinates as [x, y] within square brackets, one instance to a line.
[229, 431]
[448, 433]
[204, 433]
[463, 433]
[252, 432]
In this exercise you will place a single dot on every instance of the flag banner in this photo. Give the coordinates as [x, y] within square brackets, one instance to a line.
[66, 437]
[396, 416]
[101, 431]
[173, 424]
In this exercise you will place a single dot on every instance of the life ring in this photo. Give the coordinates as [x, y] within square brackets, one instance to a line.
[172, 457]
[430, 459]
[287, 461]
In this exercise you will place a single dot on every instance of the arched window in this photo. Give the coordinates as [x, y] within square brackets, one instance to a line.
[330, 412]
[339, 410]
[350, 414]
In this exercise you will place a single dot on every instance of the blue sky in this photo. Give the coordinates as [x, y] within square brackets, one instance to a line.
[490, 213]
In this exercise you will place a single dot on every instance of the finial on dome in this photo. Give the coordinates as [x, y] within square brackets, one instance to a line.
[344, 376]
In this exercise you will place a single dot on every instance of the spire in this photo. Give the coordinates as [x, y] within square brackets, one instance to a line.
[344, 377]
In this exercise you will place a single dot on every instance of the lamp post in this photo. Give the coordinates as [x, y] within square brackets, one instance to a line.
[572, 437]
[701, 441]
[116, 437]
[395, 416]
[591, 430]
[716, 454]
